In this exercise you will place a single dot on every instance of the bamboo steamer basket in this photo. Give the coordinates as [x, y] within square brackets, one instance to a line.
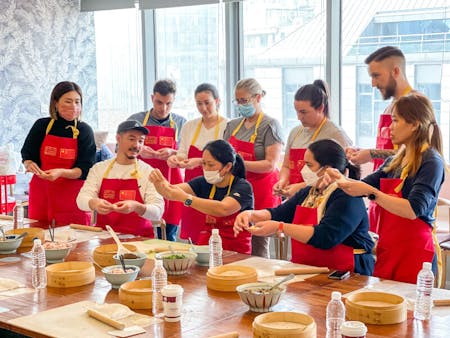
[136, 295]
[103, 254]
[70, 274]
[227, 277]
[379, 308]
[284, 325]
[27, 241]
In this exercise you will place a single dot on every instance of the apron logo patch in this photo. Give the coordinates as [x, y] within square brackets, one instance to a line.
[67, 154]
[210, 220]
[50, 151]
[245, 156]
[151, 140]
[127, 195]
[166, 141]
[109, 194]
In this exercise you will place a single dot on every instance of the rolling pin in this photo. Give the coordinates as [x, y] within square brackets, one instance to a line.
[104, 319]
[301, 271]
[85, 227]
[441, 302]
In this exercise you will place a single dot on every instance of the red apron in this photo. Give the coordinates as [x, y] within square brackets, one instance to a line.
[262, 183]
[241, 243]
[404, 244]
[296, 163]
[115, 190]
[189, 216]
[339, 257]
[164, 137]
[57, 200]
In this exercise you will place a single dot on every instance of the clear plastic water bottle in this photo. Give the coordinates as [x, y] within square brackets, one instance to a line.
[18, 215]
[335, 315]
[38, 274]
[215, 249]
[424, 289]
[159, 281]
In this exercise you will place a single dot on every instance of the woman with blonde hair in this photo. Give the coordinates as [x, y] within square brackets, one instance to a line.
[406, 187]
[257, 138]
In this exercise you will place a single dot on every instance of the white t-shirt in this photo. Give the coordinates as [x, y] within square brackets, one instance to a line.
[205, 135]
[152, 199]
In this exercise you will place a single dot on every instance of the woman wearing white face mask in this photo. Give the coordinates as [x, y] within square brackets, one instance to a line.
[327, 226]
[257, 138]
[220, 194]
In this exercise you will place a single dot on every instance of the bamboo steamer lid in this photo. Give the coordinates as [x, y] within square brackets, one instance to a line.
[103, 254]
[70, 274]
[27, 241]
[137, 294]
[379, 308]
[284, 325]
[227, 277]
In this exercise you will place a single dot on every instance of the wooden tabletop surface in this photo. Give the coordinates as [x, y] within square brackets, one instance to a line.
[205, 312]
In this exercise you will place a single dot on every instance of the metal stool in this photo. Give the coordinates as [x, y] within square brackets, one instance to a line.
[161, 224]
[281, 246]
[445, 251]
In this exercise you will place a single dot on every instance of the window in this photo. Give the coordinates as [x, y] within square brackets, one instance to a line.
[422, 32]
[284, 49]
[119, 67]
[189, 51]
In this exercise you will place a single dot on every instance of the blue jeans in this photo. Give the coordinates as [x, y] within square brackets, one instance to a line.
[171, 232]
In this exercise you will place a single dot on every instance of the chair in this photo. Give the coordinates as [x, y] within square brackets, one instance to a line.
[162, 224]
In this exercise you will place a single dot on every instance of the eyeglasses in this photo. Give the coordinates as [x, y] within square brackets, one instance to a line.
[243, 101]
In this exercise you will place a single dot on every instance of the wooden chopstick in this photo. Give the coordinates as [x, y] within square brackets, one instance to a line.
[104, 319]
[301, 271]
[441, 302]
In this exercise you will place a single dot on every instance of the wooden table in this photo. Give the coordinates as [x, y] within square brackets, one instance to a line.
[205, 312]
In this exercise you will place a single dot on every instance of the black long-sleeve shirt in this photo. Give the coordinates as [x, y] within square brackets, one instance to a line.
[86, 142]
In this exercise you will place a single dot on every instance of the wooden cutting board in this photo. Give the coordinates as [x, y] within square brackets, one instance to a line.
[66, 321]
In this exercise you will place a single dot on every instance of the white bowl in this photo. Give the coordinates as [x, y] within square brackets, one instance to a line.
[202, 252]
[257, 296]
[10, 244]
[176, 266]
[138, 261]
[56, 252]
[117, 279]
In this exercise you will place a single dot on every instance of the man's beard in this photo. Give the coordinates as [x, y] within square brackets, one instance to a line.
[390, 89]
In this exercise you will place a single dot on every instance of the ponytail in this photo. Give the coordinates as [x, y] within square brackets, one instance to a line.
[238, 169]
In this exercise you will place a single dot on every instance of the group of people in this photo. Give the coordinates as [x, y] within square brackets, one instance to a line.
[232, 181]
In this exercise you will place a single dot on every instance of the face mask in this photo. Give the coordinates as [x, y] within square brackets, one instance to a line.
[212, 176]
[310, 177]
[246, 110]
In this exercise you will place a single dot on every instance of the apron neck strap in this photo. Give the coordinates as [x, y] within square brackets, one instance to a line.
[255, 133]
[213, 188]
[75, 131]
[135, 173]
[49, 126]
[199, 126]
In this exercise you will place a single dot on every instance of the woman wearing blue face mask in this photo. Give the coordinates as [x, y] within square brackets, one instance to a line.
[257, 138]
[327, 226]
[220, 194]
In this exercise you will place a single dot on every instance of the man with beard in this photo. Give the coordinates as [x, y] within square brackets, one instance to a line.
[119, 190]
[386, 67]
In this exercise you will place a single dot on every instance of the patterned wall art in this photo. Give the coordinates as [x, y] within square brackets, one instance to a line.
[43, 42]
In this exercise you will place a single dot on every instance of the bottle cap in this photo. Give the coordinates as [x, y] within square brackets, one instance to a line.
[158, 262]
[426, 265]
[18, 202]
[215, 231]
[353, 329]
[335, 295]
[37, 241]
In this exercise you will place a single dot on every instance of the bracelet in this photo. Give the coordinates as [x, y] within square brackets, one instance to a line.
[281, 227]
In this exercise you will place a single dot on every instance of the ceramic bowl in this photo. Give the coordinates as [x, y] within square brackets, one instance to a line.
[258, 297]
[138, 261]
[56, 252]
[10, 244]
[202, 252]
[117, 279]
[176, 262]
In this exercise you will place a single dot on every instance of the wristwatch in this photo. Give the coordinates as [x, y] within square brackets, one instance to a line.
[372, 197]
[188, 201]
